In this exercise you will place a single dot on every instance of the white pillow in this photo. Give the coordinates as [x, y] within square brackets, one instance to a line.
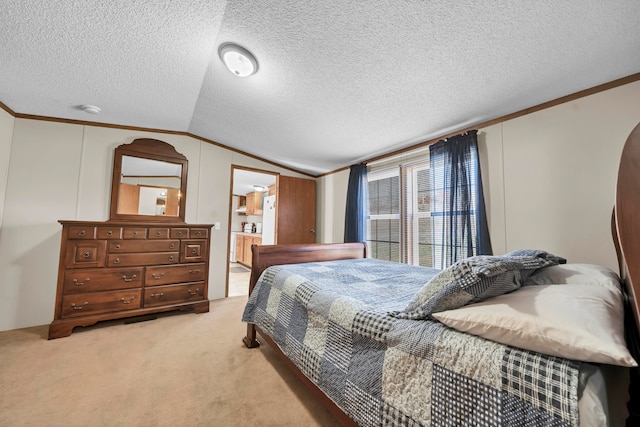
[578, 322]
[578, 274]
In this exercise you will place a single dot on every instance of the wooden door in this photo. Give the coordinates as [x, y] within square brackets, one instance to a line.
[295, 210]
[251, 207]
[239, 248]
[247, 256]
[173, 202]
[128, 199]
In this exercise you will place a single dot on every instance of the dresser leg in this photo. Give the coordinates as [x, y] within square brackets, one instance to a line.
[60, 330]
[201, 307]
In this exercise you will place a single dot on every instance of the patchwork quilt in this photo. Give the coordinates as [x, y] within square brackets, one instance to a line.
[341, 324]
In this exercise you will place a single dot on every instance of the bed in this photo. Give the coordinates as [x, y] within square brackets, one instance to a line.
[389, 344]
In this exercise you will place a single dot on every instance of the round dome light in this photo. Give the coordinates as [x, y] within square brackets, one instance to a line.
[91, 109]
[238, 59]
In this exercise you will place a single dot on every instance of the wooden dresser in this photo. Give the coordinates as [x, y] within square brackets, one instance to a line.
[116, 269]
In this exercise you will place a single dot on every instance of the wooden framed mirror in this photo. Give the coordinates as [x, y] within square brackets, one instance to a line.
[149, 182]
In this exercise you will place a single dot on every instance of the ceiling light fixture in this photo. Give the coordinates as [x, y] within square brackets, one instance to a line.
[91, 109]
[238, 59]
[259, 188]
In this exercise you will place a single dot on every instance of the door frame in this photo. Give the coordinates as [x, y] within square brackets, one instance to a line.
[231, 210]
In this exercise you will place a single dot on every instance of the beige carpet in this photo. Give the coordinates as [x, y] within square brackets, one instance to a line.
[178, 370]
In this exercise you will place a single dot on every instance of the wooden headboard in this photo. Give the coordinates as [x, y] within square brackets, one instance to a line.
[627, 222]
[626, 233]
[266, 256]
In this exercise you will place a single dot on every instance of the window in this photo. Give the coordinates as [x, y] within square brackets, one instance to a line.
[400, 227]
[383, 226]
[409, 214]
[418, 211]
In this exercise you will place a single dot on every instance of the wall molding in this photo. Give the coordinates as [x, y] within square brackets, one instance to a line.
[568, 98]
[143, 129]
[571, 97]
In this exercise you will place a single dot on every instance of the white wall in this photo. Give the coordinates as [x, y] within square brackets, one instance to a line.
[51, 171]
[331, 193]
[549, 177]
[6, 132]
[560, 173]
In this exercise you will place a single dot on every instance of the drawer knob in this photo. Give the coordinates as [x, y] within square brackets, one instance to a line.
[157, 276]
[157, 295]
[128, 279]
[86, 254]
[171, 258]
[117, 247]
[135, 233]
[196, 271]
[82, 233]
[179, 233]
[198, 233]
[79, 307]
[158, 233]
[116, 261]
[127, 301]
[109, 233]
[194, 251]
[193, 292]
[172, 246]
[79, 283]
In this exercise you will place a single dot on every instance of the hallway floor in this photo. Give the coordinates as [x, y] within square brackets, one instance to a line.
[238, 279]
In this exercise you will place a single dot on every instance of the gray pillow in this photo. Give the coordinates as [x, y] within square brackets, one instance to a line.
[476, 279]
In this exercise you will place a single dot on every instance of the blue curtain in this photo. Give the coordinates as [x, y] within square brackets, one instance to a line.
[458, 209]
[355, 222]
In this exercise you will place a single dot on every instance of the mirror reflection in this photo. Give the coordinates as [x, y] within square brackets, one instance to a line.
[149, 187]
[149, 182]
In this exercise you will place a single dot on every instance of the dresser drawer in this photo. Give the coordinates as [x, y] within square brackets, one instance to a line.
[158, 233]
[121, 260]
[162, 295]
[165, 274]
[193, 250]
[82, 232]
[85, 253]
[109, 232]
[102, 279]
[198, 233]
[179, 233]
[127, 246]
[134, 233]
[100, 302]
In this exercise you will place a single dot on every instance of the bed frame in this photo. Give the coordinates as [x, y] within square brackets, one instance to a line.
[626, 236]
[266, 256]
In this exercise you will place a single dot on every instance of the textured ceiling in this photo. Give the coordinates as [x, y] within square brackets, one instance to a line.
[338, 82]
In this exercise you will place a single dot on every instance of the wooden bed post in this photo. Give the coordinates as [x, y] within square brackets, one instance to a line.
[626, 234]
[250, 339]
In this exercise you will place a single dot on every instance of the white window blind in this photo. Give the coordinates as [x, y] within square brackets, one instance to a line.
[383, 226]
[400, 223]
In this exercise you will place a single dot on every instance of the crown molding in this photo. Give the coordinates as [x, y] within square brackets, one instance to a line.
[144, 129]
[577, 95]
[568, 98]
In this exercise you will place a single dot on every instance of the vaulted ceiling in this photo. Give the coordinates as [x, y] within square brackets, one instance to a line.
[338, 81]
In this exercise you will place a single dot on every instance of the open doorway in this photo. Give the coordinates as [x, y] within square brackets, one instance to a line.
[249, 190]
